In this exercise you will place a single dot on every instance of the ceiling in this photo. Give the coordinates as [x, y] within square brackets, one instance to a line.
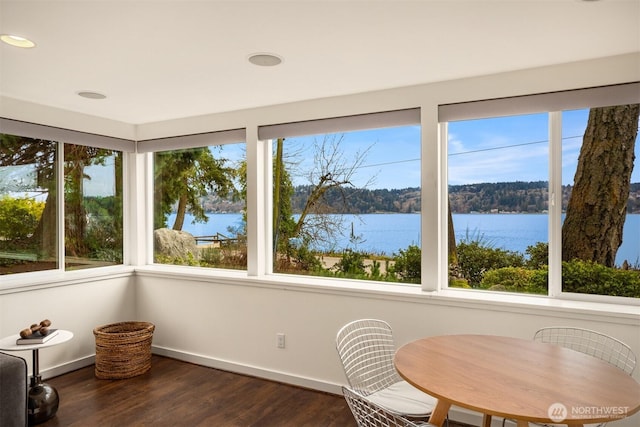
[160, 60]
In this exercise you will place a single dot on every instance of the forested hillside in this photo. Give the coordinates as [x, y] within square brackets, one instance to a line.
[361, 201]
[519, 197]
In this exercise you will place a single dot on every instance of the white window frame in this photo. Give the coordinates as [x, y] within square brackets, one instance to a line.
[264, 166]
[149, 147]
[553, 104]
[60, 137]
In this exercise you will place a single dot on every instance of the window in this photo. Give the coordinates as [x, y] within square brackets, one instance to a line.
[28, 213]
[346, 197]
[519, 225]
[498, 197]
[93, 191]
[200, 203]
[30, 220]
[601, 201]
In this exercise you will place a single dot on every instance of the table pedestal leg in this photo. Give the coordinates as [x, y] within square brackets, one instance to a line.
[439, 413]
[43, 398]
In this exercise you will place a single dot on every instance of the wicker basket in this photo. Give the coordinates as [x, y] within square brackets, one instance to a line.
[123, 350]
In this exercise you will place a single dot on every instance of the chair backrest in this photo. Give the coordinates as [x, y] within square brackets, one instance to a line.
[368, 414]
[593, 343]
[366, 349]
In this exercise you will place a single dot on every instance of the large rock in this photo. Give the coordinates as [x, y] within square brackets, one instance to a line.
[175, 244]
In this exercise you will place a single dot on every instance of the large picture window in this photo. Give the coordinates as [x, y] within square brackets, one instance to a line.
[498, 200]
[545, 203]
[30, 222]
[93, 190]
[28, 212]
[200, 207]
[347, 204]
[601, 190]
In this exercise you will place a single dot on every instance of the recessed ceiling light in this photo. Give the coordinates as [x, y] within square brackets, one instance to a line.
[91, 95]
[17, 41]
[265, 59]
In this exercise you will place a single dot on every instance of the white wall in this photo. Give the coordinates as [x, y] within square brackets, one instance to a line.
[78, 305]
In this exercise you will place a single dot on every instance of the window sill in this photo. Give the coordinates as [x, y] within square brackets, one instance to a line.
[482, 300]
[53, 278]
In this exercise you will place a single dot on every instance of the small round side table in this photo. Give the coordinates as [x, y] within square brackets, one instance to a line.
[43, 398]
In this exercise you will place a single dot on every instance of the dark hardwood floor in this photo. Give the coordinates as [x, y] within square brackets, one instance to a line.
[175, 393]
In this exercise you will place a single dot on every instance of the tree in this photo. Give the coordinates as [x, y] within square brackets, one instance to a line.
[331, 170]
[451, 234]
[182, 178]
[41, 156]
[21, 151]
[283, 223]
[596, 212]
[76, 159]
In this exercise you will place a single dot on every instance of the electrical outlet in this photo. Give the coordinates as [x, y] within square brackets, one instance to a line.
[280, 340]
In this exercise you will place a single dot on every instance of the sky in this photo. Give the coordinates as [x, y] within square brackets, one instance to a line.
[390, 156]
[515, 148]
[489, 150]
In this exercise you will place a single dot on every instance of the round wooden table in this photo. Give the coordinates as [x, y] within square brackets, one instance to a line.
[518, 379]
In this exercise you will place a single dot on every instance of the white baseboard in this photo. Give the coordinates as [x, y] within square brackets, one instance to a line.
[253, 371]
[67, 367]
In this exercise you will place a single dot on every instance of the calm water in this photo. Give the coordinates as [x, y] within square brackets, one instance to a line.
[387, 233]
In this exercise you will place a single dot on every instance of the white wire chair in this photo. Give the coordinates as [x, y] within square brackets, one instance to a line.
[590, 342]
[368, 414]
[593, 343]
[366, 349]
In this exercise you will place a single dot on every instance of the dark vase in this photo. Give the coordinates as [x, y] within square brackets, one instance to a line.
[43, 401]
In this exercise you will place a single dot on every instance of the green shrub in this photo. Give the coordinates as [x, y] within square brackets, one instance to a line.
[588, 277]
[476, 258]
[189, 260]
[351, 264]
[458, 283]
[305, 258]
[513, 279]
[210, 257]
[375, 273]
[538, 255]
[19, 217]
[407, 264]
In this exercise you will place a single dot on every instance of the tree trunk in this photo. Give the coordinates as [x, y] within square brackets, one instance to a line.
[453, 251]
[277, 185]
[46, 232]
[180, 213]
[596, 212]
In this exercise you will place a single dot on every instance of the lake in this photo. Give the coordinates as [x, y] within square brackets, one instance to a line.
[387, 233]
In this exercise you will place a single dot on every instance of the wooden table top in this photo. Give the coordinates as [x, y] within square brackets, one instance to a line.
[517, 378]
